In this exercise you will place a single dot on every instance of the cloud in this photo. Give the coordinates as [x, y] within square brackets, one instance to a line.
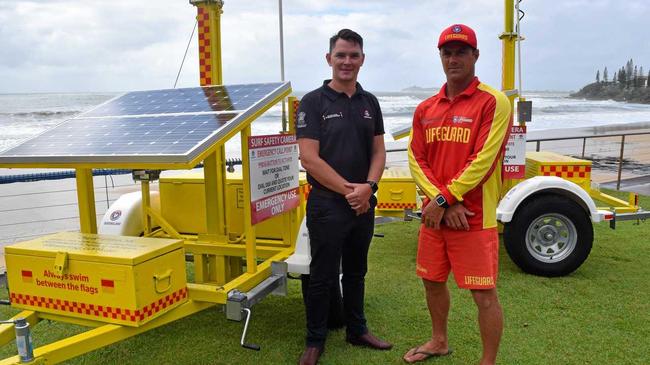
[60, 45]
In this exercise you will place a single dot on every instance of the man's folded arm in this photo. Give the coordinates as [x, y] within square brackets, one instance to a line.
[490, 142]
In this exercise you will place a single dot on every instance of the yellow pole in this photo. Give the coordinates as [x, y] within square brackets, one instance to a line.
[86, 201]
[215, 268]
[213, 195]
[508, 39]
[249, 229]
[146, 203]
[293, 108]
[215, 30]
[209, 31]
[211, 267]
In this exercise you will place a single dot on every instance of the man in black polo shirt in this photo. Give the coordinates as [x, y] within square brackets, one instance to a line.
[340, 133]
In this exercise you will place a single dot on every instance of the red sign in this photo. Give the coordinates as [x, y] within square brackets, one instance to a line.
[273, 175]
[266, 208]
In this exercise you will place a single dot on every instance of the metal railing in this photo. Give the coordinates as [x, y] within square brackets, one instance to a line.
[612, 148]
[32, 209]
[608, 151]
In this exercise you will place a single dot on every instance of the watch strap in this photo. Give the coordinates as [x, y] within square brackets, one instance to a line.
[441, 201]
[373, 185]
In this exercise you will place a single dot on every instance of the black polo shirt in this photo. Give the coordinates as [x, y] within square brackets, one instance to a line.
[344, 126]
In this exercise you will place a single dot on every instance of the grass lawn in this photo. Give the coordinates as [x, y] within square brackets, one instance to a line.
[600, 314]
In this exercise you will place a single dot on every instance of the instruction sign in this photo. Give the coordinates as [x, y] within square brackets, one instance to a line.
[273, 175]
[514, 159]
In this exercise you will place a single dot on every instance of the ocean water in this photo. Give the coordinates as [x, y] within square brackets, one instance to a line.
[25, 115]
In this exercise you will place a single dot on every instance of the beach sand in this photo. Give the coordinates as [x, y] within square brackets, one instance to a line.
[600, 144]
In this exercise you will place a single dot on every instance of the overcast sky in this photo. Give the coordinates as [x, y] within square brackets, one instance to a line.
[121, 45]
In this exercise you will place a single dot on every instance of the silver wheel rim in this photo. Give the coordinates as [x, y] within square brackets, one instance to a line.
[551, 238]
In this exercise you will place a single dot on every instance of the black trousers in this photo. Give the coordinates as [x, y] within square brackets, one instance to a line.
[338, 237]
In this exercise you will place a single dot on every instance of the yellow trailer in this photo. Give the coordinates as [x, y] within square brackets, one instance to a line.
[121, 286]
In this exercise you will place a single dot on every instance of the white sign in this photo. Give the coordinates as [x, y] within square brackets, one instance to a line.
[514, 159]
[273, 175]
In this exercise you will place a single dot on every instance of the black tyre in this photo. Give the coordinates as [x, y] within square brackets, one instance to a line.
[549, 235]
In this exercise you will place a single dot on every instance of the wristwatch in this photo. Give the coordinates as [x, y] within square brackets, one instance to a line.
[441, 201]
[373, 185]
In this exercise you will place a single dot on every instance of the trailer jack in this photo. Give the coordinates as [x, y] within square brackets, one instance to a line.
[239, 303]
[639, 216]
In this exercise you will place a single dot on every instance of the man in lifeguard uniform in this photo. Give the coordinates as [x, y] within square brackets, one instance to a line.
[455, 152]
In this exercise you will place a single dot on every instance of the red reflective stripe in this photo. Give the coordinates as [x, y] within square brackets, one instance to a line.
[395, 205]
[101, 311]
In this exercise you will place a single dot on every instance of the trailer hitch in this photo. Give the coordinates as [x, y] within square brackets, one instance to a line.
[639, 216]
[23, 339]
[238, 305]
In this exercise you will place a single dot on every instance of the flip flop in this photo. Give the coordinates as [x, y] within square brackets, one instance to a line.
[427, 354]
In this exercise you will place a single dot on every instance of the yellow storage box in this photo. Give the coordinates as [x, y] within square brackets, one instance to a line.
[114, 279]
[553, 164]
[396, 192]
[182, 204]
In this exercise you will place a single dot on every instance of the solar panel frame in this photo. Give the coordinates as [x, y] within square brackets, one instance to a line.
[149, 135]
[202, 103]
[186, 159]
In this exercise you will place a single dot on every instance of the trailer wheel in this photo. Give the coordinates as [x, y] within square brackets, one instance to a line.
[550, 235]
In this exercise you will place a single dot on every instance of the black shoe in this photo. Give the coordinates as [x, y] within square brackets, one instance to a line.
[369, 340]
[311, 355]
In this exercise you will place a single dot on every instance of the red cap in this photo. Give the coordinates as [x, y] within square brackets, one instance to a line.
[460, 33]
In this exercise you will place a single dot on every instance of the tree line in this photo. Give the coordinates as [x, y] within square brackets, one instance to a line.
[628, 76]
[629, 84]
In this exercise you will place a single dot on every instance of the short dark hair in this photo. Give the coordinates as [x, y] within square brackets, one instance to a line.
[348, 35]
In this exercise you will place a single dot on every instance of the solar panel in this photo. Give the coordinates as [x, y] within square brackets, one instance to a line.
[149, 127]
[119, 136]
[220, 98]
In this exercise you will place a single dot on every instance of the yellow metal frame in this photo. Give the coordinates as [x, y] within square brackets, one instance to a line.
[86, 199]
[100, 336]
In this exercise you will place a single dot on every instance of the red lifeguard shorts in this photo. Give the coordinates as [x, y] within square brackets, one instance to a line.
[473, 256]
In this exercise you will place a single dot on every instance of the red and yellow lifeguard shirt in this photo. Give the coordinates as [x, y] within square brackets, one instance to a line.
[456, 147]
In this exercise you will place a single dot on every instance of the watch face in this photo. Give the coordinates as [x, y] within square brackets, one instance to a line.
[440, 200]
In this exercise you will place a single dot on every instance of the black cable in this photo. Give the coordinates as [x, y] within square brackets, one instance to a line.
[185, 55]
